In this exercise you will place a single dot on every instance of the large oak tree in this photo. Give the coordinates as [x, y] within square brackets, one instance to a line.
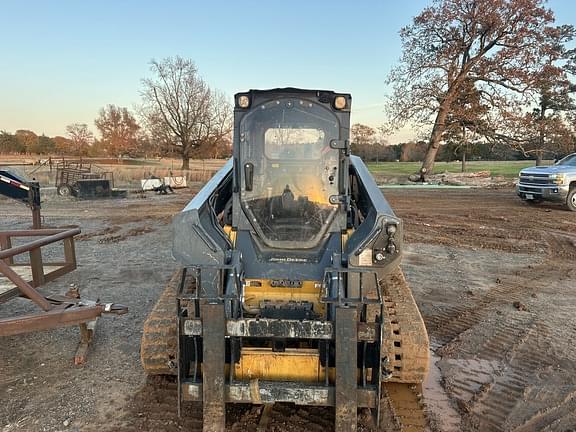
[180, 110]
[497, 46]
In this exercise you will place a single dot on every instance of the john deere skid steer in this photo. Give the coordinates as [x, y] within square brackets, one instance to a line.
[289, 288]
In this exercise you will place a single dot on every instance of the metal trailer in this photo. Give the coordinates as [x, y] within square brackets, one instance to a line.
[70, 172]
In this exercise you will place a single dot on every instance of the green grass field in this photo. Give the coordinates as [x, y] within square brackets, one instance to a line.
[508, 169]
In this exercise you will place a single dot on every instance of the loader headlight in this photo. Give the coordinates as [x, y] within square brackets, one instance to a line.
[391, 229]
[339, 102]
[243, 101]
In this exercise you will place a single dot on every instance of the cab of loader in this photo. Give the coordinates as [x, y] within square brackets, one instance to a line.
[289, 166]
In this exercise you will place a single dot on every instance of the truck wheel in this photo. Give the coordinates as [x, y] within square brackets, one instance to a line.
[571, 200]
[64, 190]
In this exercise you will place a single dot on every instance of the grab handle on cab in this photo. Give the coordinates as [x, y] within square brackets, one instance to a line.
[248, 175]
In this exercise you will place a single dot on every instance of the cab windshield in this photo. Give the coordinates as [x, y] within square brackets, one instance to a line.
[286, 144]
[568, 160]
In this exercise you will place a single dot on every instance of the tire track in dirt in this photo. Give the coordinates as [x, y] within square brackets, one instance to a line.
[452, 320]
[494, 377]
[559, 417]
[482, 362]
[449, 322]
[494, 403]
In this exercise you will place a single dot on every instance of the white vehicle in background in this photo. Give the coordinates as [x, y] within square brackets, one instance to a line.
[555, 183]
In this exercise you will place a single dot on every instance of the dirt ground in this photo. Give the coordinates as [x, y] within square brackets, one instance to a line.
[494, 278]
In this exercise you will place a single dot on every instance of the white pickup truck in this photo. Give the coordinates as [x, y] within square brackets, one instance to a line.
[550, 183]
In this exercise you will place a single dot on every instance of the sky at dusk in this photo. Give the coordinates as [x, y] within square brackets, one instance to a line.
[61, 61]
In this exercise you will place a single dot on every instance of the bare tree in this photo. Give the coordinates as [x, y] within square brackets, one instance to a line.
[81, 138]
[180, 110]
[214, 140]
[543, 132]
[362, 137]
[119, 130]
[498, 46]
[362, 134]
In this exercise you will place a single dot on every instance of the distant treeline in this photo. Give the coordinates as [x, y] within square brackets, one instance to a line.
[81, 143]
[415, 151]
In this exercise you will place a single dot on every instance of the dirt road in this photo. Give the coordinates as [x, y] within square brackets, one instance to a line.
[494, 278]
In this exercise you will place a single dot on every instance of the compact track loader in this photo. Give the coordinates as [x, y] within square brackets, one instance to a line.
[289, 288]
